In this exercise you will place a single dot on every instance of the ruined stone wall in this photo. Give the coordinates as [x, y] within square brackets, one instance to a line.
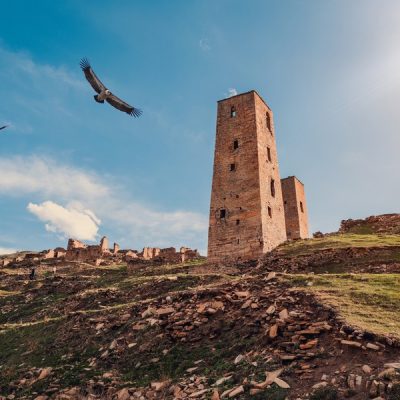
[296, 215]
[385, 223]
[154, 256]
[78, 251]
[245, 218]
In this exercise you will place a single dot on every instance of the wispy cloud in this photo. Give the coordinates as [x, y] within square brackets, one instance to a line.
[22, 62]
[232, 92]
[56, 183]
[70, 222]
[204, 44]
[6, 250]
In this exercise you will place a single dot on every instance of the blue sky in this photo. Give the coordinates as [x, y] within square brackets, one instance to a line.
[71, 167]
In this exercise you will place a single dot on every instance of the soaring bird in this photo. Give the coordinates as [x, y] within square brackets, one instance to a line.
[2, 127]
[104, 93]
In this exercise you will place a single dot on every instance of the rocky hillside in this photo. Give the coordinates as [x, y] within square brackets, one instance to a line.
[315, 319]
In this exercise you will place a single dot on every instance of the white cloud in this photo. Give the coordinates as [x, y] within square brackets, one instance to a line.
[232, 92]
[23, 175]
[204, 45]
[22, 61]
[89, 194]
[71, 222]
[5, 250]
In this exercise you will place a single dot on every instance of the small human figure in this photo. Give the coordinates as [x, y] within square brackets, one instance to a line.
[32, 274]
[54, 270]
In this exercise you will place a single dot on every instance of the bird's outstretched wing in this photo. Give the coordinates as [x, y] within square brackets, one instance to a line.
[2, 127]
[122, 106]
[95, 82]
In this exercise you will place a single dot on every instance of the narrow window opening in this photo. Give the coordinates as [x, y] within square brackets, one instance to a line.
[268, 121]
[237, 196]
[269, 154]
[237, 221]
[301, 207]
[233, 167]
[233, 112]
[235, 144]
[285, 202]
[270, 212]
[272, 188]
[237, 241]
[222, 213]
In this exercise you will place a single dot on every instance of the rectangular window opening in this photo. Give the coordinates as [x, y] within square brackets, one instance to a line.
[235, 144]
[233, 167]
[301, 207]
[237, 221]
[270, 212]
[272, 188]
[269, 154]
[222, 213]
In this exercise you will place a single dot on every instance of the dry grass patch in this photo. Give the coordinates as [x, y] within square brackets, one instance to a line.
[369, 301]
[307, 246]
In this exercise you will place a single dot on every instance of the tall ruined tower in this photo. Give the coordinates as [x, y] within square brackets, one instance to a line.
[246, 213]
[294, 203]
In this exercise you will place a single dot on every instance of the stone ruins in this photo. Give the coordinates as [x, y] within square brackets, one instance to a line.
[101, 254]
[252, 210]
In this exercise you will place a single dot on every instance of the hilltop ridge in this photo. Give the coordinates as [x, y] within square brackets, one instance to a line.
[314, 319]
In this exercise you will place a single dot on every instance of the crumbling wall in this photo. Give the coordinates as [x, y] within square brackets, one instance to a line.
[385, 223]
[78, 251]
[151, 256]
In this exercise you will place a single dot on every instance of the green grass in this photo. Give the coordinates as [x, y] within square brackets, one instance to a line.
[308, 246]
[369, 301]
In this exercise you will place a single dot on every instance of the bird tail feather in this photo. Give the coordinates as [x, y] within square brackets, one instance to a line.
[96, 97]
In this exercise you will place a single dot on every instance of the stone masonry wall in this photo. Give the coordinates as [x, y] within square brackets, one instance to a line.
[245, 165]
[296, 215]
[385, 223]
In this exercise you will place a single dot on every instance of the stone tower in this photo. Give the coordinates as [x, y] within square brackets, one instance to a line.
[294, 202]
[246, 213]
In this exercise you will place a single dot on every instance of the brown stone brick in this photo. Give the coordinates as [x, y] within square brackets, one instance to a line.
[296, 216]
[246, 213]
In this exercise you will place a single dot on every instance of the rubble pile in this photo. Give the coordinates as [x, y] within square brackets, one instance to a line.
[386, 223]
[238, 336]
[379, 259]
[165, 324]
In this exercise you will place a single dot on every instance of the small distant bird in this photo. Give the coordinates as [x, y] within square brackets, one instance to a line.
[2, 127]
[104, 93]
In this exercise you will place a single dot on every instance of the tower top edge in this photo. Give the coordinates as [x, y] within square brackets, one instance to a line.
[244, 94]
[293, 177]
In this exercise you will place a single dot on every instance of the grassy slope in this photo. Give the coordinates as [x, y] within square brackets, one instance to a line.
[301, 247]
[33, 328]
[369, 301]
